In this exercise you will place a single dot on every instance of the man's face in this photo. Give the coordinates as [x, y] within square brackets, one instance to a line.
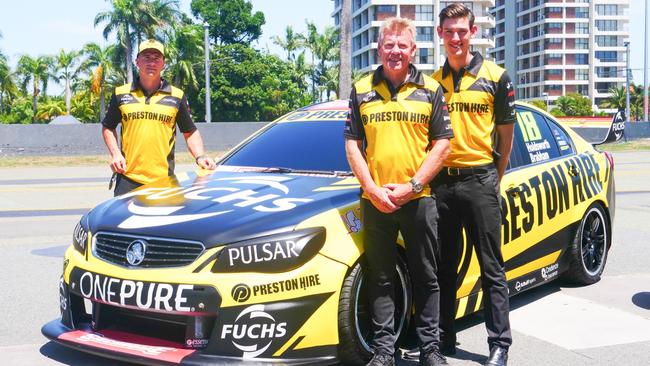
[150, 63]
[456, 34]
[396, 50]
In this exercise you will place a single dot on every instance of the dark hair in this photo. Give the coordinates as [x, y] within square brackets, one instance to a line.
[454, 11]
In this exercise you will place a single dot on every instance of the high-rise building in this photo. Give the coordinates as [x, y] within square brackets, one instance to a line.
[555, 47]
[367, 16]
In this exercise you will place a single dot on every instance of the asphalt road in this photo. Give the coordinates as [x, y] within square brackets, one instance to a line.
[604, 324]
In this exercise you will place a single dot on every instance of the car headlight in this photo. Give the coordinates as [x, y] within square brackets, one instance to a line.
[271, 254]
[80, 235]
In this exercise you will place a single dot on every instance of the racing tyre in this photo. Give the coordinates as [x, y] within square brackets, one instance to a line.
[355, 333]
[589, 249]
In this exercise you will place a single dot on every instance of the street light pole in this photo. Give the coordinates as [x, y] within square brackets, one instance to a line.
[627, 81]
[645, 66]
[206, 41]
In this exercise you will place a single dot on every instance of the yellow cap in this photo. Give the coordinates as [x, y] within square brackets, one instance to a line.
[151, 44]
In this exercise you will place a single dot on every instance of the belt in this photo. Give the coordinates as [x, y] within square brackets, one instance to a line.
[452, 171]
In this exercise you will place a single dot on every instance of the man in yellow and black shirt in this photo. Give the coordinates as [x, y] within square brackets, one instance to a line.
[149, 110]
[480, 99]
[397, 137]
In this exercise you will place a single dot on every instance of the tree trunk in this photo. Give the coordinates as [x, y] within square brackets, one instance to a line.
[129, 62]
[345, 63]
[102, 104]
[68, 95]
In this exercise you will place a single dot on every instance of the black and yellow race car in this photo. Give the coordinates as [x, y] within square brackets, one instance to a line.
[260, 260]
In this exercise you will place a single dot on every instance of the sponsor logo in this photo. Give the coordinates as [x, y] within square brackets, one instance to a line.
[236, 197]
[63, 299]
[243, 292]
[550, 271]
[259, 253]
[80, 236]
[352, 220]
[369, 97]
[253, 331]
[136, 251]
[143, 295]
[126, 98]
[197, 343]
[240, 292]
[523, 284]
[479, 108]
[300, 283]
[142, 348]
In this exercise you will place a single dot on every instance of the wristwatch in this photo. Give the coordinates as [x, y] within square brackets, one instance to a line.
[416, 186]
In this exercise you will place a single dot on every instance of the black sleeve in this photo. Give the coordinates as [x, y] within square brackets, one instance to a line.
[504, 101]
[440, 123]
[353, 124]
[183, 117]
[113, 116]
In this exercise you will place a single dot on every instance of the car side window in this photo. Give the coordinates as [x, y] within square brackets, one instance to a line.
[561, 138]
[519, 156]
[534, 141]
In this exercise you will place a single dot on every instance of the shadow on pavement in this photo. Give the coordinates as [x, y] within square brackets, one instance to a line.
[68, 356]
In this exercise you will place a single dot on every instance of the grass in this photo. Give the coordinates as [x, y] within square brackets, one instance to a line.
[185, 158]
[78, 160]
[630, 145]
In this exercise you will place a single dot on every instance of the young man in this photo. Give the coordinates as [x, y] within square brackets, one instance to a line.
[480, 97]
[400, 115]
[149, 111]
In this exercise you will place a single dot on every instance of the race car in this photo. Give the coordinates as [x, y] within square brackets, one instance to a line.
[260, 261]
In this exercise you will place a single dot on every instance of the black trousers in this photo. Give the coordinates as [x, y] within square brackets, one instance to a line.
[416, 220]
[471, 201]
[124, 185]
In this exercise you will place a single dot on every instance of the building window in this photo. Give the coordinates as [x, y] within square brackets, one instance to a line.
[607, 25]
[582, 28]
[424, 55]
[606, 56]
[582, 44]
[607, 72]
[582, 74]
[423, 12]
[582, 13]
[607, 9]
[582, 59]
[392, 9]
[607, 41]
[424, 34]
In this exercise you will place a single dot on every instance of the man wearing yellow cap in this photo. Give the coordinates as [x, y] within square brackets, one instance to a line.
[149, 110]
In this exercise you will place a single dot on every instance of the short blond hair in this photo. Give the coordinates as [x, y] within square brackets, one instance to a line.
[396, 24]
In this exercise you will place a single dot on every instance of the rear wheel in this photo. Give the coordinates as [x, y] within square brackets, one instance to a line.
[355, 333]
[589, 249]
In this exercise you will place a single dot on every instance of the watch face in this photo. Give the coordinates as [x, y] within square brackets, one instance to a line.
[417, 187]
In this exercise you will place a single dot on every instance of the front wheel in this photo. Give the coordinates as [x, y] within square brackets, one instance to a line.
[355, 332]
[589, 248]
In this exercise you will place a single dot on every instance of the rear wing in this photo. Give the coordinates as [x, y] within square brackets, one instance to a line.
[616, 130]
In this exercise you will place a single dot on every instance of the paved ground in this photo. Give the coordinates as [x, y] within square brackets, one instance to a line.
[604, 324]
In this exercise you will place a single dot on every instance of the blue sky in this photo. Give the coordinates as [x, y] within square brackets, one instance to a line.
[44, 27]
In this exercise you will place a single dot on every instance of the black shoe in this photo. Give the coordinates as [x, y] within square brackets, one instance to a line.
[432, 358]
[382, 359]
[498, 357]
[446, 348]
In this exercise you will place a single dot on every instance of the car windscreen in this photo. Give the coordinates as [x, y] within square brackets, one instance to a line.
[317, 145]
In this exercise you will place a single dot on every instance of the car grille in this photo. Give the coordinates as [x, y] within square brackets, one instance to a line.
[160, 252]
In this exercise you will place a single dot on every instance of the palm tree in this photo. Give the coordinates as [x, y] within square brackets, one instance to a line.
[291, 42]
[616, 99]
[329, 81]
[134, 19]
[309, 42]
[345, 63]
[35, 70]
[8, 88]
[184, 51]
[326, 49]
[101, 60]
[65, 67]
[50, 109]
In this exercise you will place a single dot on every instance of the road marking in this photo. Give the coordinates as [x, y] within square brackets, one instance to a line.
[54, 212]
[575, 323]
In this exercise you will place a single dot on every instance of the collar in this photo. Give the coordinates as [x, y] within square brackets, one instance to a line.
[415, 76]
[164, 86]
[473, 67]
